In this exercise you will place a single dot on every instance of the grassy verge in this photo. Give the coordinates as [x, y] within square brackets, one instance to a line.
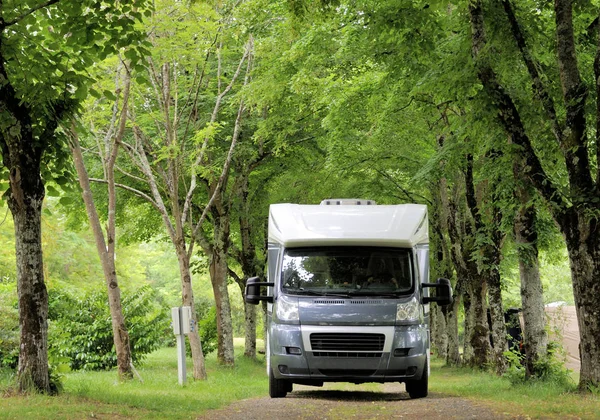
[538, 400]
[100, 395]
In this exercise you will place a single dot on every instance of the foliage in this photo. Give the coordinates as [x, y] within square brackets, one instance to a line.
[45, 57]
[550, 368]
[207, 327]
[81, 329]
[208, 331]
[9, 323]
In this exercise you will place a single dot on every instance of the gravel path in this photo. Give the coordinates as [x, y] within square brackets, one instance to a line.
[392, 402]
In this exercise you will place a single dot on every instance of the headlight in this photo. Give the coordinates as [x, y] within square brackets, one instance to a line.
[409, 311]
[287, 309]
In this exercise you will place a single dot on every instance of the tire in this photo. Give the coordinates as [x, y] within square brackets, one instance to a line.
[418, 388]
[278, 388]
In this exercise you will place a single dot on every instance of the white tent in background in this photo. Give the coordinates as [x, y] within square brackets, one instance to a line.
[562, 319]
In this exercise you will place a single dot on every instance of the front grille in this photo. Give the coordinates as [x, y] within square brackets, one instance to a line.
[346, 354]
[346, 372]
[347, 342]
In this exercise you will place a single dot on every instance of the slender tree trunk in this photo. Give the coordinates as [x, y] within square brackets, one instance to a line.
[458, 242]
[247, 257]
[187, 297]
[498, 322]
[120, 332]
[250, 332]
[218, 276]
[451, 315]
[468, 351]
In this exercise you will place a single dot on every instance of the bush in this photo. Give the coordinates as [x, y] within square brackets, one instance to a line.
[208, 331]
[550, 368]
[81, 328]
[9, 324]
[207, 327]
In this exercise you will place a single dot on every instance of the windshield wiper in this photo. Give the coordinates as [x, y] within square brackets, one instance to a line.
[372, 293]
[315, 293]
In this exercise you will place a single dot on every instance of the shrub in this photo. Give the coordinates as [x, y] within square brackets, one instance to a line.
[207, 327]
[208, 331]
[81, 328]
[9, 324]
[549, 368]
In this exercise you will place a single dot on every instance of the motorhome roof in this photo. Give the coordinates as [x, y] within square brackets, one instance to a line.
[294, 225]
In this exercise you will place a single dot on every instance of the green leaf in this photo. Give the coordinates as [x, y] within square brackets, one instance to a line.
[65, 201]
[95, 93]
[51, 191]
[109, 95]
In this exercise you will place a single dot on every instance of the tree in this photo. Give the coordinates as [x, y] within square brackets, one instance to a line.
[45, 48]
[573, 198]
[182, 145]
[106, 246]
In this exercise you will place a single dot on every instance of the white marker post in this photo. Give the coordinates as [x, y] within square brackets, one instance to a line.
[182, 319]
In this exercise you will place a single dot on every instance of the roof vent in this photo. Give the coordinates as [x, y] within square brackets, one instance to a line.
[347, 201]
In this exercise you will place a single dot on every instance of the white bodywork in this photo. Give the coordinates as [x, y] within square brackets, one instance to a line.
[294, 225]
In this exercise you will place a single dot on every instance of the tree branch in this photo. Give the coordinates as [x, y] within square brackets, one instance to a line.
[509, 116]
[470, 194]
[532, 68]
[130, 189]
[236, 133]
[4, 25]
[411, 196]
[575, 93]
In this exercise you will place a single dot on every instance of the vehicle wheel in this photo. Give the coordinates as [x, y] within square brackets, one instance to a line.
[418, 388]
[278, 388]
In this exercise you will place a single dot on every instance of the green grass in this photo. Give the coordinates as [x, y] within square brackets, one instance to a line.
[100, 395]
[537, 400]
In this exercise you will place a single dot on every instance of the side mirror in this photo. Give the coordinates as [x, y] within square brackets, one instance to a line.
[443, 293]
[252, 294]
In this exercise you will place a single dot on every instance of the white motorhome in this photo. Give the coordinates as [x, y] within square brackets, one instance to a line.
[347, 292]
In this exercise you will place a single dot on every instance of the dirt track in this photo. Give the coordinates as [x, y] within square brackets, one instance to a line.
[357, 403]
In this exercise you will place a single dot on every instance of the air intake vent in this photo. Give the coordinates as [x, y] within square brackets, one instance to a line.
[347, 201]
[365, 302]
[347, 342]
[328, 302]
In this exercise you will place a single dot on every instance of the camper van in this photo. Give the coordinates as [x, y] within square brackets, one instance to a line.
[347, 294]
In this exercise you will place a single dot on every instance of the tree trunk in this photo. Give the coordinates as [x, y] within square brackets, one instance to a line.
[251, 266]
[451, 213]
[218, 276]
[479, 334]
[468, 327]
[500, 344]
[250, 325]
[187, 298]
[583, 245]
[535, 337]
[26, 205]
[120, 333]
[451, 315]
[25, 197]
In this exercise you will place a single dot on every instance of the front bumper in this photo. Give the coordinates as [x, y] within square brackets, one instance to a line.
[402, 357]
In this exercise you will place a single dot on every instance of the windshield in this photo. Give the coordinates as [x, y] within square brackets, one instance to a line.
[327, 271]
